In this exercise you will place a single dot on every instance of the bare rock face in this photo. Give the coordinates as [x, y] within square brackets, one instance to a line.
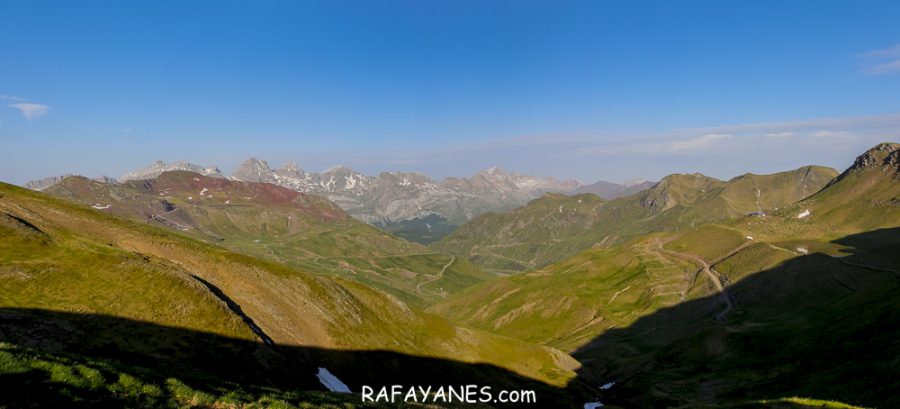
[393, 197]
[883, 156]
[45, 183]
[158, 167]
[254, 170]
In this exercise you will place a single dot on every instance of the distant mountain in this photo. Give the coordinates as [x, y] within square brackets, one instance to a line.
[410, 205]
[278, 224]
[555, 227]
[158, 167]
[42, 184]
[401, 202]
[609, 190]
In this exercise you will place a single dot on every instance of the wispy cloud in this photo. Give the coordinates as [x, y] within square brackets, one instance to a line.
[11, 98]
[882, 61]
[719, 151]
[779, 135]
[31, 111]
[695, 144]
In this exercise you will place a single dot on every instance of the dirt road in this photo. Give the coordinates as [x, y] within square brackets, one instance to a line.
[713, 276]
[439, 276]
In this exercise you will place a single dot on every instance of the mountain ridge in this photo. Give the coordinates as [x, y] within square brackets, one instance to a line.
[517, 241]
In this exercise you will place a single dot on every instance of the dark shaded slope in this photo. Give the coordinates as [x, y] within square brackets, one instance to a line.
[177, 367]
[814, 326]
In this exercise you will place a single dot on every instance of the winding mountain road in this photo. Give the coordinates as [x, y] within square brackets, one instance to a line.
[439, 275]
[710, 272]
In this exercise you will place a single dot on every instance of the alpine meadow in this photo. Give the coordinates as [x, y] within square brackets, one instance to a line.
[402, 204]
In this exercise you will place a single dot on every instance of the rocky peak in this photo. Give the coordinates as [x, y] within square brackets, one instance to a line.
[158, 167]
[883, 155]
[291, 170]
[44, 183]
[254, 170]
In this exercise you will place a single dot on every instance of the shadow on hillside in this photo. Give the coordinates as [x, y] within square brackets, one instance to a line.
[213, 364]
[814, 326]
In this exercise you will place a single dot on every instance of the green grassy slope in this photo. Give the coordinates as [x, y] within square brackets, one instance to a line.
[568, 303]
[62, 257]
[808, 306]
[278, 224]
[554, 227]
[526, 237]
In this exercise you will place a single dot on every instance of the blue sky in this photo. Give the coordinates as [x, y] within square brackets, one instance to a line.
[588, 90]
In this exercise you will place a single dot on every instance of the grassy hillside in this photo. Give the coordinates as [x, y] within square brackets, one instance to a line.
[759, 307]
[281, 225]
[810, 325]
[77, 263]
[554, 227]
[526, 237]
[568, 303]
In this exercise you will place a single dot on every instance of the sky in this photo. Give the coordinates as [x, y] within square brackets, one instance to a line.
[587, 90]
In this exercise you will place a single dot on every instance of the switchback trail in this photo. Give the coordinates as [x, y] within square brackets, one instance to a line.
[707, 269]
[439, 276]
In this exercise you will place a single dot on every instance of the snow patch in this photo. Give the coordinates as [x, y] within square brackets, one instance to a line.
[331, 382]
[593, 405]
[606, 386]
[749, 237]
[803, 214]
[203, 192]
[100, 207]
[802, 250]
[350, 183]
[328, 185]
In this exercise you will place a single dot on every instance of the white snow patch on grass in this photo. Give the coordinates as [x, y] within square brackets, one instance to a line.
[332, 382]
[803, 214]
[593, 405]
[99, 207]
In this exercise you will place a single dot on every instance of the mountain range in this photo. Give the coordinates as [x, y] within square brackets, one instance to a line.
[178, 286]
[554, 226]
[281, 225]
[410, 205]
[793, 302]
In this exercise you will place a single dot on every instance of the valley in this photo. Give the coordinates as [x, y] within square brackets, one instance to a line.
[450, 205]
[681, 295]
